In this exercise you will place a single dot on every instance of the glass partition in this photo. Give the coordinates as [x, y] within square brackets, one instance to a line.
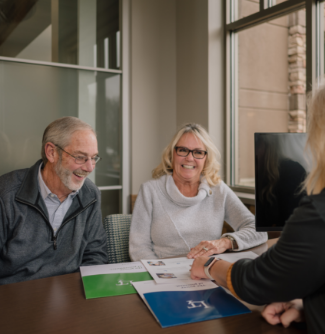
[32, 96]
[78, 32]
[111, 202]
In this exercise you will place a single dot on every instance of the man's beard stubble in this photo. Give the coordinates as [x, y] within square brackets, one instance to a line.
[65, 176]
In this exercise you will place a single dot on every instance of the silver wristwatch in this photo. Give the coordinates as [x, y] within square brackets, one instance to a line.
[233, 241]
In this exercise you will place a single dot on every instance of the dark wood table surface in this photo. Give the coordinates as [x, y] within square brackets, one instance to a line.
[58, 305]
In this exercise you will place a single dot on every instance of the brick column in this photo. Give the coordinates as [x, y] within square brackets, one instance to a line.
[297, 72]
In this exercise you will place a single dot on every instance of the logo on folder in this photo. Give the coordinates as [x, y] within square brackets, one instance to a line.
[196, 303]
[123, 282]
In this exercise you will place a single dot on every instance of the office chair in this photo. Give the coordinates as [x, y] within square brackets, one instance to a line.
[117, 229]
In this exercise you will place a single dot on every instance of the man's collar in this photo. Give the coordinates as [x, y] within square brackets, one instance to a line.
[29, 191]
[44, 190]
[30, 194]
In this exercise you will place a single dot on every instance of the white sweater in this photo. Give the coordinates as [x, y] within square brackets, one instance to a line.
[165, 223]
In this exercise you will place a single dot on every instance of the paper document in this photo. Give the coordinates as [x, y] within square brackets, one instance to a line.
[169, 270]
[112, 279]
[178, 304]
[152, 286]
[177, 270]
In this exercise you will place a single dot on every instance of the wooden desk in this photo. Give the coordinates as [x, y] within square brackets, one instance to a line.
[57, 305]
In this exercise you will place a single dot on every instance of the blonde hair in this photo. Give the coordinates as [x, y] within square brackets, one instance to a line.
[211, 166]
[315, 181]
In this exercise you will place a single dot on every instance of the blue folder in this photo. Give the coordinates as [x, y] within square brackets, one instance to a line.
[183, 307]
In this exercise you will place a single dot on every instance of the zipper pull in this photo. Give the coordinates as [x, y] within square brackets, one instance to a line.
[54, 243]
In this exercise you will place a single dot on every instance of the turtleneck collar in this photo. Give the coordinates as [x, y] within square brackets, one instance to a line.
[177, 197]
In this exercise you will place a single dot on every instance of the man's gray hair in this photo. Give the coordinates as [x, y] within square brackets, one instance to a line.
[60, 131]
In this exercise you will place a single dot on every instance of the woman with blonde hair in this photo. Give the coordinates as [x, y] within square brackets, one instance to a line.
[290, 276]
[182, 210]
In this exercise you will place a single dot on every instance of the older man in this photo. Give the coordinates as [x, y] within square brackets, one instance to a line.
[50, 218]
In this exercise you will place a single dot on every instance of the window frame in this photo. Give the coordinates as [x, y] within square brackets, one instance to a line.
[314, 66]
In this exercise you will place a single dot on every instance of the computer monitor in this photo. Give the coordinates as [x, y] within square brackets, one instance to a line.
[281, 165]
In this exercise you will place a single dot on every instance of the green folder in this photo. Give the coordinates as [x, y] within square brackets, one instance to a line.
[105, 285]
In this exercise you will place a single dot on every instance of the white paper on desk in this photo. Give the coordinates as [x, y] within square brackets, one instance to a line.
[168, 271]
[152, 286]
[177, 270]
[115, 268]
[233, 257]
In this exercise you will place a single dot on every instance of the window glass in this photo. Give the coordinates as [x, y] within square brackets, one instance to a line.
[78, 32]
[32, 96]
[111, 202]
[271, 86]
[276, 2]
[322, 36]
[245, 8]
[108, 127]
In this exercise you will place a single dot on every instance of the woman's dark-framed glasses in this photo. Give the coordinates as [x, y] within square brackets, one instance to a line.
[184, 152]
[80, 160]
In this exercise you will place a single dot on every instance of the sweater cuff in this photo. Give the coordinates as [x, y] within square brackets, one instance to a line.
[229, 283]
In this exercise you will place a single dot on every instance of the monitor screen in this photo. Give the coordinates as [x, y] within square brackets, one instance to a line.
[281, 165]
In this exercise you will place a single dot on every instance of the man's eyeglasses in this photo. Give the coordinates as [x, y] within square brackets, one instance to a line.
[80, 160]
[184, 152]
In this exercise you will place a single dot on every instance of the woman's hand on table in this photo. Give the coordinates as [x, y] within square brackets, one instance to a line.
[284, 313]
[207, 248]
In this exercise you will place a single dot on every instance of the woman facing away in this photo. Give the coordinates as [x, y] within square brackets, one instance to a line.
[290, 276]
[182, 210]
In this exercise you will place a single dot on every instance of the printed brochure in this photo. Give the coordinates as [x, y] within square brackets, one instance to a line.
[178, 304]
[112, 279]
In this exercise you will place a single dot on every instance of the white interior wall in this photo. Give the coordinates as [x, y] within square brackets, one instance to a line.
[200, 94]
[153, 88]
[192, 61]
[176, 70]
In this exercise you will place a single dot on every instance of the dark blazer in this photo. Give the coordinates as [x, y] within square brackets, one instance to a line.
[28, 247]
[293, 268]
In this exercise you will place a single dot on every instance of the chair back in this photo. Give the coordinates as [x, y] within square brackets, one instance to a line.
[117, 229]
